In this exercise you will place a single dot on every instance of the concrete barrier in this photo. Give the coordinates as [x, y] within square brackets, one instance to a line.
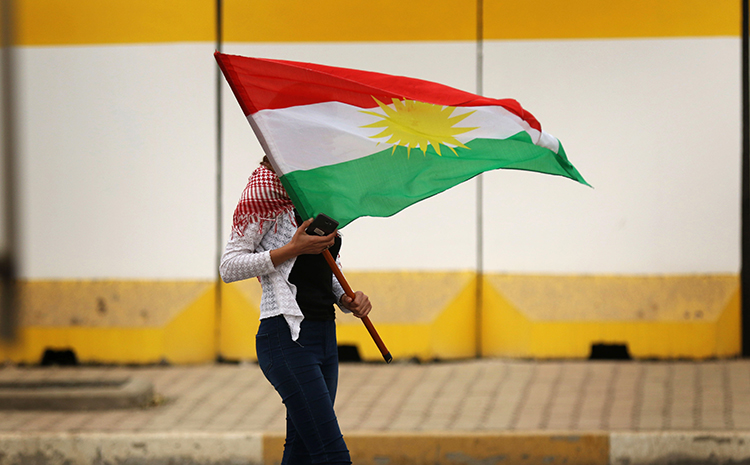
[227, 448]
[684, 448]
[383, 448]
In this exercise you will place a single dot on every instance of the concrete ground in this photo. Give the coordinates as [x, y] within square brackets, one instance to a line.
[475, 411]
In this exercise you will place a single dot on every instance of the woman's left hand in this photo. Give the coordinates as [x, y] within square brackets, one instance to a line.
[360, 306]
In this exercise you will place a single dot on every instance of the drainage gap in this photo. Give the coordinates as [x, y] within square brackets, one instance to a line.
[348, 353]
[64, 357]
[603, 351]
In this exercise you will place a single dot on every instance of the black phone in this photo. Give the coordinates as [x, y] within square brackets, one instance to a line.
[322, 225]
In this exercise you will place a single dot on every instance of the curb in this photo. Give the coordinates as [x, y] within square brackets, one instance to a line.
[684, 448]
[382, 448]
[453, 448]
[75, 395]
[183, 448]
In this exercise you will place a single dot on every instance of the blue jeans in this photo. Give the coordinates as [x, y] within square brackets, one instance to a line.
[305, 374]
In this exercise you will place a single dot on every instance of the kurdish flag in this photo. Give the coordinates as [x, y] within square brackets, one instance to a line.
[352, 143]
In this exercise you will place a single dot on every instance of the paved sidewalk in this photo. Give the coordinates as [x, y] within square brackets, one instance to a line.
[476, 395]
[480, 397]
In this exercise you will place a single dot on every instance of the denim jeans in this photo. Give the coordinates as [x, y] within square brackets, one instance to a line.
[305, 374]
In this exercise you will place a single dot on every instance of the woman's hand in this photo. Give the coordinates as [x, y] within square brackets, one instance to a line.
[360, 306]
[302, 244]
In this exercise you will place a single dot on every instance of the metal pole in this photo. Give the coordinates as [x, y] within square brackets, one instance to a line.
[219, 176]
[9, 257]
[479, 193]
[745, 241]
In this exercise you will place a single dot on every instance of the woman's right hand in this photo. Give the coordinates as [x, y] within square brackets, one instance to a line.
[302, 244]
[305, 243]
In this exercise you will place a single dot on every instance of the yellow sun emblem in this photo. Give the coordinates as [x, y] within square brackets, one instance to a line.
[413, 124]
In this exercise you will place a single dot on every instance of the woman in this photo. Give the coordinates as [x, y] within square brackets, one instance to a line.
[296, 340]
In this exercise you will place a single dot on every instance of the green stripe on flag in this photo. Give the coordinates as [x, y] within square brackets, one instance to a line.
[386, 182]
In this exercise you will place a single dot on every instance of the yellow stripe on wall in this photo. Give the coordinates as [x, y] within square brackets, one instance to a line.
[348, 20]
[79, 22]
[432, 315]
[691, 316]
[559, 19]
[449, 20]
[116, 321]
[424, 315]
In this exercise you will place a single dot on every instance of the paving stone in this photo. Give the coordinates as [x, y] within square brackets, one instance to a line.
[476, 395]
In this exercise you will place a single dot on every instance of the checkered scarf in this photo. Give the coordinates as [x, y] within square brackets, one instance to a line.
[264, 199]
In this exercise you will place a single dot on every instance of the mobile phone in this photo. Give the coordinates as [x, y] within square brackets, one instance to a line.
[322, 225]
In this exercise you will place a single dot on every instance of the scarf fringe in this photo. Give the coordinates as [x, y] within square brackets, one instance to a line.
[244, 220]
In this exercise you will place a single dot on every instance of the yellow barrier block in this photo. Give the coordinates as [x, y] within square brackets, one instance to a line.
[239, 320]
[423, 315]
[506, 332]
[656, 317]
[418, 314]
[102, 345]
[191, 337]
[427, 315]
[729, 328]
[116, 321]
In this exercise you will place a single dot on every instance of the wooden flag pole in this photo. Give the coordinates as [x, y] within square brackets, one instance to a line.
[348, 290]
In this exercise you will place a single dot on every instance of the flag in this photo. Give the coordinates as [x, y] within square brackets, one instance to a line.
[351, 143]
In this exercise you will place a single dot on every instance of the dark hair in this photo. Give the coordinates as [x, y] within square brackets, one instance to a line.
[267, 163]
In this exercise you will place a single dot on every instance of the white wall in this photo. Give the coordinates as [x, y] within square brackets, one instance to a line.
[117, 149]
[118, 161]
[653, 125]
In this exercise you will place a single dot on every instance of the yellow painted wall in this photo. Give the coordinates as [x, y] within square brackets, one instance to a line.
[61, 22]
[240, 315]
[555, 19]
[656, 317]
[424, 315]
[85, 22]
[116, 321]
[447, 20]
[431, 316]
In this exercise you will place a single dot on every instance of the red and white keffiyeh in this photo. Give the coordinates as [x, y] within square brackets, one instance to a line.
[263, 199]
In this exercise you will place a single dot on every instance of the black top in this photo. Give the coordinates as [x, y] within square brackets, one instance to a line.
[314, 280]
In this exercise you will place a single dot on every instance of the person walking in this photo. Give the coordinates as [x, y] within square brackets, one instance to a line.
[296, 340]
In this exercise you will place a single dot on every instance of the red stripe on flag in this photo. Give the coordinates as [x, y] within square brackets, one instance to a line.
[265, 84]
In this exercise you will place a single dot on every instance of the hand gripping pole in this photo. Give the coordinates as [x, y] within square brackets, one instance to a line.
[348, 290]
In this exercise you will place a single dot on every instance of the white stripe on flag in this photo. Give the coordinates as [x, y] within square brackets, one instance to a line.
[322, 134]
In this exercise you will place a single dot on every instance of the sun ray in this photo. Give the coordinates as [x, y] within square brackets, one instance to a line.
[414, 124]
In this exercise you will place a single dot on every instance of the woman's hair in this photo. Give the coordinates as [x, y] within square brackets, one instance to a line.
[267, 163]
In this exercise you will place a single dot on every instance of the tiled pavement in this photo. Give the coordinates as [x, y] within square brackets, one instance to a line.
[487, 395]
